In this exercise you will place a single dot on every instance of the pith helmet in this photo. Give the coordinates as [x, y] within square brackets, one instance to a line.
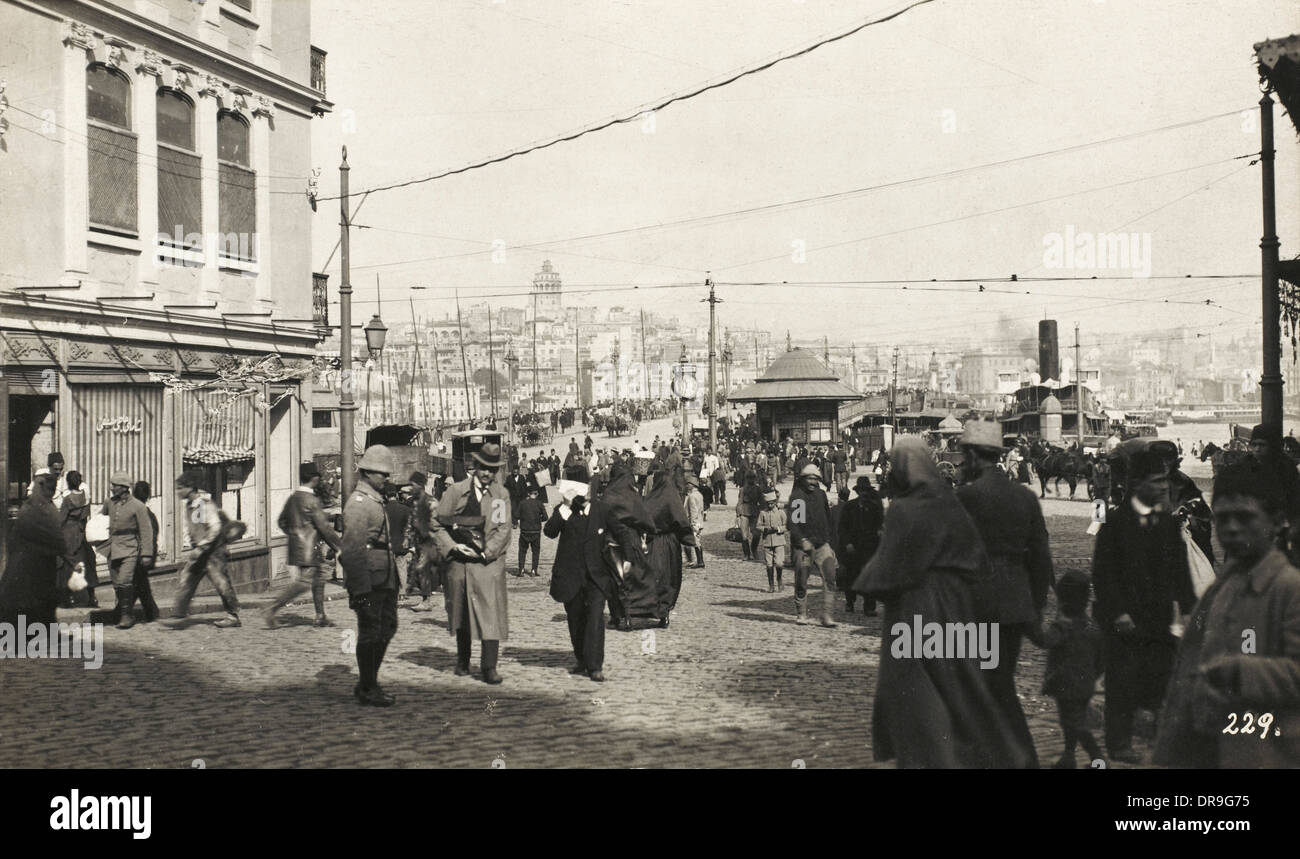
[810, 470]
[982, 434]
[489, 455]
[377, 458]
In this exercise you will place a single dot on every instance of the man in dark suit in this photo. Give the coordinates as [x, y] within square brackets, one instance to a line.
[1010, 522]
[517, 486]
[531, 514]
[29, 586]
[303, 519]
[569, 584]
[859, 536]
[616, 521]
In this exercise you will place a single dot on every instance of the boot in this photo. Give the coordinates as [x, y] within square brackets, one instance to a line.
[800, 610]
[126, 601]
[828, 606]
[780, 586]
[771, 581]
[318, 600]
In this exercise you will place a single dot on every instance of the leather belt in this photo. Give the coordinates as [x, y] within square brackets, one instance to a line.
[375, 545]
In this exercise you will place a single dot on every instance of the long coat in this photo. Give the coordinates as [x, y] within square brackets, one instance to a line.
[1266, 600]
[30, 583]
[303, 519]
[569, 573]
[476, 592]
[1010, 521]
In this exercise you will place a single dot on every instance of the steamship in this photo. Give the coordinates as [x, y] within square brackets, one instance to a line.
[1058, 414]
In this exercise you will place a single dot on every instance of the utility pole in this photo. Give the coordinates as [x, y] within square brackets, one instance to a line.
[492, 365]
[1078, 389]
[464, 365]
[1270, 379]
[893, 393]
[577, 363]
[726, 371]
[437, 379]
[826, 349]
[645, 362]
[534, 349]
[713, 385]
[347, 407]
[419, 368]
[616, 360]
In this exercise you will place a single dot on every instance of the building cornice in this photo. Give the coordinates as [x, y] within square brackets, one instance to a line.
[50, 315]
[126, 24]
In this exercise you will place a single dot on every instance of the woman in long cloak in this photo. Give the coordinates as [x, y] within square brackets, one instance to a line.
[672, 529]
[629, 520]
[931, 712]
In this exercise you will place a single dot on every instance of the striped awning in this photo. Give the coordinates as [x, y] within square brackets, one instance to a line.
[217, 426]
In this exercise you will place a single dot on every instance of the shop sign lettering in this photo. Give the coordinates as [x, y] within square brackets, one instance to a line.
[122, 425]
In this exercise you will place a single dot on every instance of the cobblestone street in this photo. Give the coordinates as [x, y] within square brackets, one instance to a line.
[734, 682]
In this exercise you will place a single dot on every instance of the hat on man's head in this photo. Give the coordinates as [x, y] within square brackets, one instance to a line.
[123, 478]
[489, 455]
[810, 470]
[862, 482]
[377, 458]
[1263, 432]
[307, 472]
[1164, 447]
[41, 472]
[1145, 463]
[770, 495]
[984, 435]
[419, 478]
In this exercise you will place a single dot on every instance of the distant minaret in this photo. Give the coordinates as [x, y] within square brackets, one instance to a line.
[934, 373]
[789, 347]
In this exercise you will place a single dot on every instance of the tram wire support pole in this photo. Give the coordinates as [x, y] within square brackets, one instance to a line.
[710, 404]
[347, 406]
[1270, 379]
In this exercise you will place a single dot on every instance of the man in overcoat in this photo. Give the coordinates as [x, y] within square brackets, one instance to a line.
[569, 583]
[29, 586]
[1010, 522]
[473, 529]
[1234, 700]
[370, 572]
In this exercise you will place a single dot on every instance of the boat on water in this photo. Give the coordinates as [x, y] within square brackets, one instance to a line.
[1238, 414]
[1193, 416]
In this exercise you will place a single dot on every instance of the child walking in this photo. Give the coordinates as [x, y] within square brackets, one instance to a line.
[1073, 645]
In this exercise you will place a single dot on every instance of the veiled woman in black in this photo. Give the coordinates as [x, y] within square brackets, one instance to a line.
[932, 711]
[655, 595]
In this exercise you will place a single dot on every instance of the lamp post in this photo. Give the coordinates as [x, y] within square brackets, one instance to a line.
[615, 358]
[376, 333]
[347, 406]
[686, 429]
[512, 363]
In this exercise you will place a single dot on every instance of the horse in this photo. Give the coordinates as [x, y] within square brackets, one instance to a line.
[1053, 463]
[1221, 457]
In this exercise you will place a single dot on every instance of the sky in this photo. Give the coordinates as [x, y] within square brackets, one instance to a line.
[875, 158]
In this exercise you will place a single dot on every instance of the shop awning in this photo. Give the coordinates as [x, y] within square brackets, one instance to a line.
[217, 426]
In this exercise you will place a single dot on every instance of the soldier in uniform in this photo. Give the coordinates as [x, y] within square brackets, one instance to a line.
[1010, 522]
[206, 525]
[370, 572]
[472, 529]
[130, 544]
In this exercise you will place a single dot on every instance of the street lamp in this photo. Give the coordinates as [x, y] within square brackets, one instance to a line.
[376, 334]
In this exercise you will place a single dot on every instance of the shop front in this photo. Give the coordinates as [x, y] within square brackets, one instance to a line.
[244, 435]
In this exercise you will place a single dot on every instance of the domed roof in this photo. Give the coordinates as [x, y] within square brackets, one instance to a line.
[1050, 406]
[950, 423]
[796, 375]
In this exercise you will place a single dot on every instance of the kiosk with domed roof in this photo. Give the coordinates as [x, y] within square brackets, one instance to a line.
[798, 397]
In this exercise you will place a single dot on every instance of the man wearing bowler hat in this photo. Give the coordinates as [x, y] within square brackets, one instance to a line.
[1010, 522]
[370, 572]
[130, 543]
[472, 528]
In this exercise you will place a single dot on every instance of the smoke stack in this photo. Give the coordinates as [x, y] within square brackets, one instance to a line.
[1049, 353]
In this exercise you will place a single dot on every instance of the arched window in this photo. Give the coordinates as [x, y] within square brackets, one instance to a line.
[238, 187]
[180, 172]
[112, 151]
